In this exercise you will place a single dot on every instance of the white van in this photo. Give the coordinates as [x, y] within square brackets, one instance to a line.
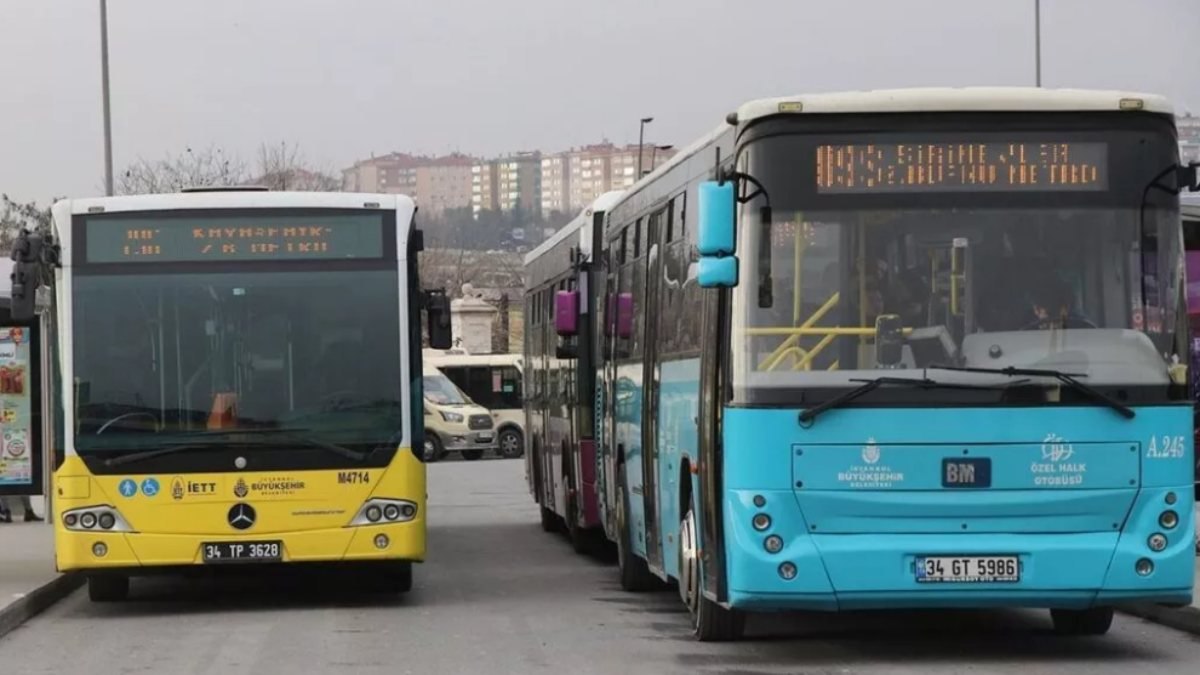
[453, 422]
[494, 381]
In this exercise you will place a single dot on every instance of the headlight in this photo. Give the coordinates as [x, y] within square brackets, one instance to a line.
[95, 518]
[384, 511]
[452, 416]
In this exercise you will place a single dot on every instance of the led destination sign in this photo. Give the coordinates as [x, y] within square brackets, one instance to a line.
[962, 167]
[194, 239]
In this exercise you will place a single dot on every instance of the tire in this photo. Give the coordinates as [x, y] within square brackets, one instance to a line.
[108, 588]
[1079, 622]
[710, 621]
[433, 447]
[398, 579]
[511, 443]
[472, 454]
[550, 520]
[634, 572]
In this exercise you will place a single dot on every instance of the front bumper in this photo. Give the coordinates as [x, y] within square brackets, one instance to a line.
[133, 551]
[469, 440]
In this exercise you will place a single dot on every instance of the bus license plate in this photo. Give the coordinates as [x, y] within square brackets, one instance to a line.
[968, 569]
[243, 551]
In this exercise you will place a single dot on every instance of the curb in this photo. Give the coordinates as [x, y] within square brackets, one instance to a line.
[1186, 619]
[37, 601]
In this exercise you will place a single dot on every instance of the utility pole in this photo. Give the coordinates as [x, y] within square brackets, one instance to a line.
[1037, 39]
[108, 160]
[641, 140]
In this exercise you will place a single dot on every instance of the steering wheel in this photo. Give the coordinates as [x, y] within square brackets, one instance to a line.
[337, 399]
[1071, 322]
[128, 415]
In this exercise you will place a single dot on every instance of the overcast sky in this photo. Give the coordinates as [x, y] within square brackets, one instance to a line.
[345, 78]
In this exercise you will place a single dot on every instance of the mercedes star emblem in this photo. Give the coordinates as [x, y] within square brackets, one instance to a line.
[241, 516]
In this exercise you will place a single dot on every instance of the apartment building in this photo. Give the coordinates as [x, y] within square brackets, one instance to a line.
[435, 183]
[573, 179]
[1188, 126]
[503, 183]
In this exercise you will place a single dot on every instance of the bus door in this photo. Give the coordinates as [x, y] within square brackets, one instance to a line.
[651, 374]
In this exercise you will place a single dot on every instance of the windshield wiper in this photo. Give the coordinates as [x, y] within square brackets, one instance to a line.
[869, 386]
[1069, 379]
[208, 440]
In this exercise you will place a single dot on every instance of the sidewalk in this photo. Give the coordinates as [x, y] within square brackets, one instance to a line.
[28, 582]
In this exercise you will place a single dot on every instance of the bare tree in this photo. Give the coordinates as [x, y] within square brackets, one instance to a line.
[279, 166]
[17, 216]
[210, 167]
[282, 166]
[447, 265]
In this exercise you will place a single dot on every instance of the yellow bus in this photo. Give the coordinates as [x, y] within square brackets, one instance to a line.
[237, 374]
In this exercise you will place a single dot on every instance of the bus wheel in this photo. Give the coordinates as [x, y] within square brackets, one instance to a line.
[472, 454]
[512, 444]
[635, 575]
[108, 588]
[710, 621]
[433, 447]
[1095, 621]
[398, 578]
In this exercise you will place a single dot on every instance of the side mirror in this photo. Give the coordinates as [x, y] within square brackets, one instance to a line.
[32, 253]
[23, 291]
[718, 272]
[889, 340]
[566, 313]
[437, 313]
[625, 315]
[717, 235]
[1189, 177]
[717, 206]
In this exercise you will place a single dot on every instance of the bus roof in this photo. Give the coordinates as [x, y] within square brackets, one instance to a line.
[601, 203]
[237, 200]
[956, 99]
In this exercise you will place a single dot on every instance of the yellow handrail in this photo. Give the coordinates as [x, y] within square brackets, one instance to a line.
[801, 331]
[777, 355]
[806, 362]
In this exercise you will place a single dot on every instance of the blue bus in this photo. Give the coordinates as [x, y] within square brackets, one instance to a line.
[901, 349]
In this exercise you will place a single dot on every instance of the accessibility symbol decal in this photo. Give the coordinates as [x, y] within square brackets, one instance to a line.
[150, 487]
[128, 488]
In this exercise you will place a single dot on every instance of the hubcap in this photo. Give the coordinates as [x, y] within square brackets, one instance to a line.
[508, 443]
[689, 569]
[428, 447]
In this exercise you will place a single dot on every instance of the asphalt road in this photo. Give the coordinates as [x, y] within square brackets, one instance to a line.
[500, 596]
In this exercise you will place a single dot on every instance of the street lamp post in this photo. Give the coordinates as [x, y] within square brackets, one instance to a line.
[1037, 39]
[641, 139]
[654, 155]
[108, 161]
